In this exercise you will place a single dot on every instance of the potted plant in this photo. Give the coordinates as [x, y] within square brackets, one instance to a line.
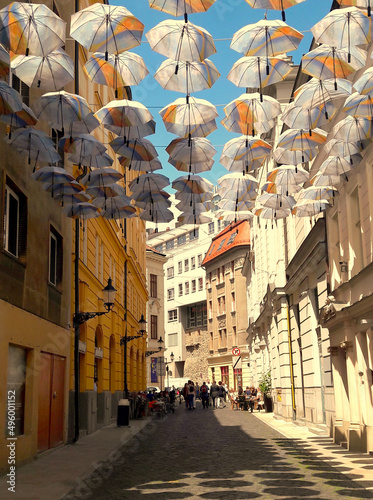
[265, 386]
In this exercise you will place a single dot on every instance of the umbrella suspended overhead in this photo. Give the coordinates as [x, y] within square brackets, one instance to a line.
[323, 193]
[82, 145]
[143, 166]
[317, 92]
[325, 180]
[256, 128]
[282, 155]
[187, 77]
[134, 149]
[238, 187]
[331, 62]
[338, 147]
[149, 182]
[359, 105]
[195, 168]
[266, 39]
[193, 218]
[274, 4]
[192, 184]
[276, 201]
[23, 118]
[200, 130]
[288, 176]
[123, 113]
[35, 143]
[271, 213]
[145, 199]
[258, 72]
[246, 149]
[4, 63]
[10, 100]
[198, 208]
[301, 140]
[364, 84]
[106, 28]
[157, 215]
[231, 205]
[118, 70]
[50, 72]
[194, 150]
[335, 165]
[112, 202]
[92, 161]
[241, 166]
[365, 4]
[54, 175]
[101, 177]
[181, 7]
[61, 108]
[344, 28]
[352, 129]
[135, 132]
[189, 111]
[69, 188]
[105, 192]
[126, 212]
[85, 126]
[71, 198]
[272, 188]
[81, 211]
[181, 41]
[253, 108]
[27, 28]
[309, 208]
[307, 118]
[193, 198]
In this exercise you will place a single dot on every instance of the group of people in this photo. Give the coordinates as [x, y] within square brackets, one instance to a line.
[245, 398]
[210, 395]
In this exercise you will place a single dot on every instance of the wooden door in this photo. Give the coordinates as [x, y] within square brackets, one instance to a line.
[57, 402]
[45, 388]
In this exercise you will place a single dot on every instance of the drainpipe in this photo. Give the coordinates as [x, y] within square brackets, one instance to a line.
[291, 360]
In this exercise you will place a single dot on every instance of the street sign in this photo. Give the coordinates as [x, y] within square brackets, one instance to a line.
[236, 351]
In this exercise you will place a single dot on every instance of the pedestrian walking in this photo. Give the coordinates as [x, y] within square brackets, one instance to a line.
[204, 391]
[191, 394]
[197, 389]
[214, 394]
[221, 394]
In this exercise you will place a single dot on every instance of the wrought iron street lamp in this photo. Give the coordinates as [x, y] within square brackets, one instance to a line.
[160, 342]
[124, 341]
[109, 297]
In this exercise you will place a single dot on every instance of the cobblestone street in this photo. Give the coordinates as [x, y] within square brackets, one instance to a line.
[219, 454]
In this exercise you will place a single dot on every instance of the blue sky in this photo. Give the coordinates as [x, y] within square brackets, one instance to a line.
[223, 19]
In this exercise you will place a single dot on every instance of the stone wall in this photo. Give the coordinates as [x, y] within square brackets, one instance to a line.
[197, 351]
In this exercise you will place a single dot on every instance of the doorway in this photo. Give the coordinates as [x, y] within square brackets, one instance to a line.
[51, 401]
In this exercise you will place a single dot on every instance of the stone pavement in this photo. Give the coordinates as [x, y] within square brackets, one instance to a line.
[198, 454]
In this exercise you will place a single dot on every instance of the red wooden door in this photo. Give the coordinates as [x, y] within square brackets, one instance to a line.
[51, 401]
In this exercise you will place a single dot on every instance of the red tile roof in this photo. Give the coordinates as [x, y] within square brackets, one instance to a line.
[234, 235]
[152, 249]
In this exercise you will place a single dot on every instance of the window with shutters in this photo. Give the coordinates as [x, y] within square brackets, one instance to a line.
[15, 221]
[22, 88]
[55, 257]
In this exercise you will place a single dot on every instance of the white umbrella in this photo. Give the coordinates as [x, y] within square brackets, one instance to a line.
[258, 72]
[190, 218]
[309, 208]
[123, 113]
[194, 150]
[335, 165]
[189, 111]
[352, 129]
[35, 143]
[276, 201]
[187, 77]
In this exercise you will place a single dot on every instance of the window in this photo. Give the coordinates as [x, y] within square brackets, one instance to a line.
[172, 315]
[172, 340]
[180, 289]
[211, 227]
[212, 249]
[197, 315]
[219, 225]
[170, 294]
[232, 238]
[153, 286]
[193, 263]
[15, 221]
[186, 287]
[232, 268]
[193, 235]
[233, 302]
[234, 340]
[170, 272]
[186, 265]
[153, 327]
[22, 88]
[356, 236]
[200, 284]
[193, 286]
[55, 257]
[180, 267]
[16, 385]
[181, 240]
[200, 260]
[210, 309]
[159, 248]
[221, 244]
[169, 244]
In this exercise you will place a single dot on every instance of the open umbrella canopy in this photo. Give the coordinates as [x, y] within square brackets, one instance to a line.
[82, 145]
[101, 177]
[325, 180]
[274, 4]
[272, 188]
[338, 147]
[335, 165]
[246, 148]
[192, 184]
[54, 175]
[199, 208]
[331, 62]
[135, 149]
[282, 155]
[271, 213]
[35, 143]
[61, 108]
[106, 28]
[317, 193]
[307, 118]
[23, 118]
[154, 199]
[189, 111]
[343, 28]
[138, 165]
[190, 218]
[236, 186]
[135, 132]
[241, 166]
[309, 208]
[194, 150]
[253, 108]
[50, 72]
[364, 84]
[157, 215]
[60, 190]
[185, 131]
[365, 4]
[181, 41]
[118, 70]
[28, 28]
[359, 105]
[10, 99]
[126, 212]
[288, 176]
[93, 161]
[301, 140]
[317, 92]
[258, 72]
[352, 129]
[192, 198]
[194, 168]
[118, 201]
[257, 128]
[4, 63]
[276, 201]
[187, 77]
[70, 198]
[84, 126]
[150, 181]
[236, 206]
[266, 38]
[105, 192]
[181, 7]
[81, 211]
[123, 113]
